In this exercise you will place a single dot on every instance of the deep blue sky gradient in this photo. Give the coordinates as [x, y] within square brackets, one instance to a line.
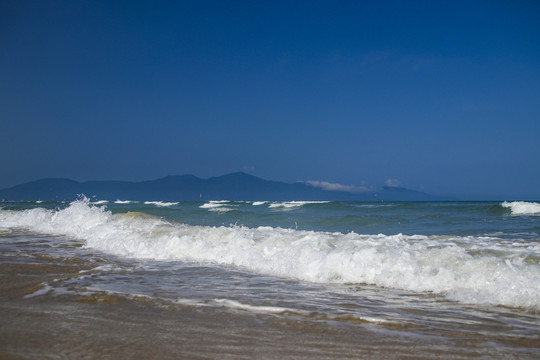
[436, 96]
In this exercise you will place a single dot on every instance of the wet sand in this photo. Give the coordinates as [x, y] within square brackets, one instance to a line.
[101, 326]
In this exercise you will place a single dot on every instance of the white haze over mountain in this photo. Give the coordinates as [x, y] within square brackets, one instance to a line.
[341, 187]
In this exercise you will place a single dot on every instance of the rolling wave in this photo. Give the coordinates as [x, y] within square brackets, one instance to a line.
[467, 269]
[522, 207]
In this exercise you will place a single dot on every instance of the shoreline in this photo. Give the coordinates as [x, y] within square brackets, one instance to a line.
[68, 327]
[108, 326]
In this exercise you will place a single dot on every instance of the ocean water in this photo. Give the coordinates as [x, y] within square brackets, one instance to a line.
[407, 269]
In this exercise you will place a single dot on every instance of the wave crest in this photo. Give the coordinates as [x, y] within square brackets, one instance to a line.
[522, 207]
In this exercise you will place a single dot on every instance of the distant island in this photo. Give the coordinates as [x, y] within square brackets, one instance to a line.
[236, 186]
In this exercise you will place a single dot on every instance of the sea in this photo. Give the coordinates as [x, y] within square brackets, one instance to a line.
[265, 279]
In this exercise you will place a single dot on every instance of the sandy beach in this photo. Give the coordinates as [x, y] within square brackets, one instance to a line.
[104, 326]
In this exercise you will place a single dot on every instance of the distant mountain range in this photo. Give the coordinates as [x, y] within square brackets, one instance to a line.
[235, 186]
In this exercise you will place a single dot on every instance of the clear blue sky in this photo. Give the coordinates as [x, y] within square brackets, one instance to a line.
[436, 96]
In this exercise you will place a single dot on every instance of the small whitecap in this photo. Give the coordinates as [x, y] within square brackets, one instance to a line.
[161, 203]
[522, 207]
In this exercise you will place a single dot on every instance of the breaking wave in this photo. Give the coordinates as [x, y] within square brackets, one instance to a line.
[294, 204]
[522, 207]
[478, 270]
[161, 203]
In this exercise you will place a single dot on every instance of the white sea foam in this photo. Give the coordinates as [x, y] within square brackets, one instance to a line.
[123, 202]
[257, 203]
[266, 309]
[161, 203]
[294, 204]
[233, 304]
[214, 204]
[221, 209]
[467, 269]
[522, 207]
[45, 288]
[100, 202]
[218, 205]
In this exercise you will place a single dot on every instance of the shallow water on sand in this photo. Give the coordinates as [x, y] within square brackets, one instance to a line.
[75, 303]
